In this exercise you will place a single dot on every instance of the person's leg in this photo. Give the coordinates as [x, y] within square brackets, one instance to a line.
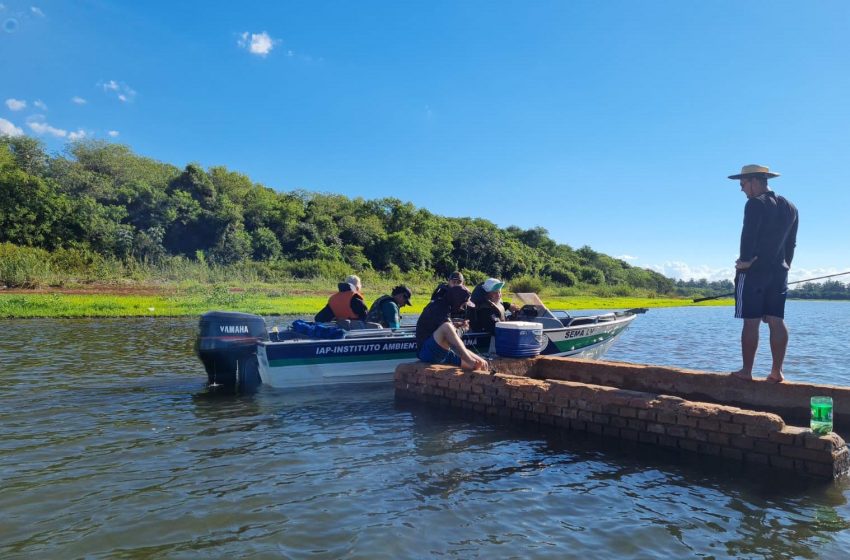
[749, 345]
[446, 336]
[774, 313]
[778, 346]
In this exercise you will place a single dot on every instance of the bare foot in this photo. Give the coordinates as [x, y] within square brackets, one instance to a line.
[741, 374]
[775, 378]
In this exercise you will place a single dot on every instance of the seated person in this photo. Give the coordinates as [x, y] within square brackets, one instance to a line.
[437, 340]
[489, 308]
[385, 310]
[454, 279]
[347, 303]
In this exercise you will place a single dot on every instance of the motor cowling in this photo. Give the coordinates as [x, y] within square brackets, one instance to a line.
[227, 346]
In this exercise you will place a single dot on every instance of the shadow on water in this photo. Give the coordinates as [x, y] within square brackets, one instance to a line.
[762, 512]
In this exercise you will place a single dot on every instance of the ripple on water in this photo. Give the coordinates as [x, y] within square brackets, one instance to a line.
[110, 448]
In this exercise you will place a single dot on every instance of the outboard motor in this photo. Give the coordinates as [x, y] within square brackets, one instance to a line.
[227, 346]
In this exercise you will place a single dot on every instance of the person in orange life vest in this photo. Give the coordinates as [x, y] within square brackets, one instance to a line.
[347, 303]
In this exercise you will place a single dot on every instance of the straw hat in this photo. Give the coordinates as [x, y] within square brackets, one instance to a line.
[754, 169]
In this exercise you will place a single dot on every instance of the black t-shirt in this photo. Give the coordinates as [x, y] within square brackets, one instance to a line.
[769, 232]
[435, 314]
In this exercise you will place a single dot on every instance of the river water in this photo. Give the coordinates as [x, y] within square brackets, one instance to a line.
[110, 448]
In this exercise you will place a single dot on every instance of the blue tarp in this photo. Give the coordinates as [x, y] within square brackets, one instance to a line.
[314, 330]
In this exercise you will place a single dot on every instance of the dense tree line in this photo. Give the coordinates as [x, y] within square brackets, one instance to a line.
[829, 289]
[103, 198]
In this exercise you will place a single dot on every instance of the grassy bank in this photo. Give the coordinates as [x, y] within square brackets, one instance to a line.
[175, 302]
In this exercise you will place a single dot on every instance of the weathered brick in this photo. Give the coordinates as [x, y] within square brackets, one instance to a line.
[767, 447]
[677, 431]
[610, 431]
[594, 428]
[685, 420]
[610, 408]
[619, 422]
[585, 415]
[781, 462]
[627, 433]
[647, 437]
[709, 449]
[732, 453]
[816, 455]
[742, 442]
[823, 470]
[828, 442]
[639, 402]
[758, 431]
[654, 428]
[708, 424]
[602, 419]
[580, 425]
[730, 428]
[697, 435]
[689, 445]
[649, 415]
[718, 438]
[638, 425]
[667, 441]
[666, 417]
[756, 458]
[627, 412]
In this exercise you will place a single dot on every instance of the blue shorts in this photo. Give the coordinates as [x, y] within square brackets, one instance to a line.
[761, 293]
[433, 353]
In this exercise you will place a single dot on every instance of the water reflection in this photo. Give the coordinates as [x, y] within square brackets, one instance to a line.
[112, 448]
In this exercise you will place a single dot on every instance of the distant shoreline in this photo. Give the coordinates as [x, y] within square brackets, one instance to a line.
[153, 301]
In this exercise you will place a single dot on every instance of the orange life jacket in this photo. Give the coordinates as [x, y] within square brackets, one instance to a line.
[340, 304]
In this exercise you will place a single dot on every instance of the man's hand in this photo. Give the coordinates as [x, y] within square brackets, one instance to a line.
[744, 265]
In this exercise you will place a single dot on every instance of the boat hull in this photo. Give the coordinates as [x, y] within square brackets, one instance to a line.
[364, 360]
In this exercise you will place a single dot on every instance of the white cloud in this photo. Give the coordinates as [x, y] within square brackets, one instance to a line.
[795, 274]
[15, 104]
[9, 129]
[78, 135]
[260, 44]
[78, 100]
[44, 128]
[36, 11]
[40, 104]
[626, 258]
[113, 133]
[683, 271]
[122, 91]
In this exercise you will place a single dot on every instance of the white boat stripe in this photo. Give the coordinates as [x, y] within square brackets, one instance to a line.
[739, 304]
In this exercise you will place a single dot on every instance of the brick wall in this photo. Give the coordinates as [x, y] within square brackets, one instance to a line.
[789, 399]
[711, 429]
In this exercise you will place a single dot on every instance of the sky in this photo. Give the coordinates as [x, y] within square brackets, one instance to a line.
[612, 124]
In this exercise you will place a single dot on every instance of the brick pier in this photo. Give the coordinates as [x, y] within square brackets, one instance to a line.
[656, 406]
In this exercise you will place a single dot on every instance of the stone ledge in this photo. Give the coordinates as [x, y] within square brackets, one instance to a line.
[671, 421]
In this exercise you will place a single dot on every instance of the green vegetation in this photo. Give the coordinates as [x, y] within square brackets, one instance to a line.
[103, 214]
[254, 300]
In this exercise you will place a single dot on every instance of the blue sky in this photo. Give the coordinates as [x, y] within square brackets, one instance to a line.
[610, 123]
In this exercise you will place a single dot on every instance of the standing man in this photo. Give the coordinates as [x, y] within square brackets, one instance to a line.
[768, 239]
